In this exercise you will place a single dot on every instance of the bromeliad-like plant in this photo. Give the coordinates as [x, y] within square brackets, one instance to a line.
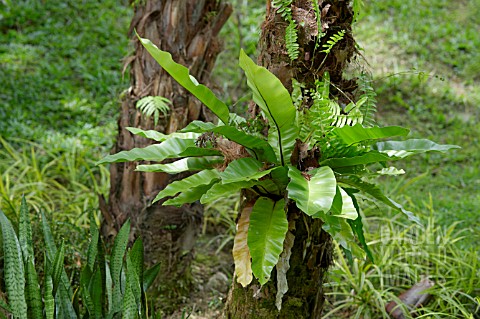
[319, 157]
[114, 289]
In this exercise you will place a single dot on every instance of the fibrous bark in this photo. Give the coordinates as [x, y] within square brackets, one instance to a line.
[188, 29]
[312, 248]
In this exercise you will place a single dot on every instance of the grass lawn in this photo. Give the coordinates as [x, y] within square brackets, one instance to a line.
[426, 66]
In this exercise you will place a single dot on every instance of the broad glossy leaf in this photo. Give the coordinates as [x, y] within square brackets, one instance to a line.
[358, 133]
[190, 195]
[241, 253]
[260, 147]
[313, 195]
[171, 148]
[342, 205]
[339, 229]
[266, 233]
[376, 193]
[160, 137]
[182, 165]
[390, 171]
[204, 177]
[182, 76]
[14, 274]
[220, 190]
[401, 149]
[198, 127]
[243, 169]
[367, 158]
[357, 226]
[275, 102]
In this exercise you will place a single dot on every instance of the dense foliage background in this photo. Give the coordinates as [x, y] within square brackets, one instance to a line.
[61, 78]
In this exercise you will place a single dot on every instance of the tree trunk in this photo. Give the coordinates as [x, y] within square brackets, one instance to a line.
[311, 254]
[188, 29]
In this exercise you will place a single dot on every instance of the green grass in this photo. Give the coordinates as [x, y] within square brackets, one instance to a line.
[60, 68]
[404, 254]
[426, 69]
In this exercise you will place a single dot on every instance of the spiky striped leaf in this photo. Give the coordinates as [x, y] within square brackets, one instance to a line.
[136, 257]
[313, 193]
[204, 177]
[57, 268]
[116, 262]
[183, 165]
[25, 233]
[276, 103]
[134, 282]
[266, 233]
[97, 294]
[93, 246]
[13, 268]
[85, 279]
[182, 76]
[241, 253]
[357, 133]
[149, 276]
[48, 284]
[129, 305]
[51, 249]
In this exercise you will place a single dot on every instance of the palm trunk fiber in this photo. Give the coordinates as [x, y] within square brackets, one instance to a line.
[188, 29]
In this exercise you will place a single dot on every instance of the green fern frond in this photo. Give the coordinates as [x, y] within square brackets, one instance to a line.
[291, 37]
[334, 39]
[284, 8]
[318, 18]
[368, 108]
[357, 5]
[153, 106]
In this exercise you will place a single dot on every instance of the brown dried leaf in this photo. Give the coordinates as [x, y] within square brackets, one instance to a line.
[241, 253]
[282, 267]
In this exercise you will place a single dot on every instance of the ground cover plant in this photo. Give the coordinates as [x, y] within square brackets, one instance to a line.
[111, 286]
